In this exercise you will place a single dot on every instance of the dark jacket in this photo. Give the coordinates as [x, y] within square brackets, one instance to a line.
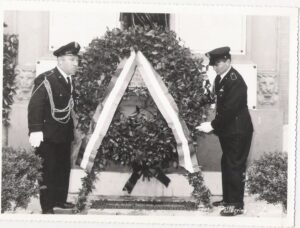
[39, 110]
[232, 114]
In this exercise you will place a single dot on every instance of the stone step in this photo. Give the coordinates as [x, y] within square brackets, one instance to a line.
[145, 203]
[64, 211]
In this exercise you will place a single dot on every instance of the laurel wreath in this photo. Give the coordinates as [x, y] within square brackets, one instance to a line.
[143, 137]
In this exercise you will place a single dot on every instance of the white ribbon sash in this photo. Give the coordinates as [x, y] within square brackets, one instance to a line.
[164, 102]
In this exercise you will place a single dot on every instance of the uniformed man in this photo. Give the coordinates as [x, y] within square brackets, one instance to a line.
[233, 126]
[51, 127]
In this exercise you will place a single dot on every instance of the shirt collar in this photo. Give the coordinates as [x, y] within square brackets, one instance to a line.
[224, 74]
[63, 73]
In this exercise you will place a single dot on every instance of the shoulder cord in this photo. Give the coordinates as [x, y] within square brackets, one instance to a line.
[65, 119]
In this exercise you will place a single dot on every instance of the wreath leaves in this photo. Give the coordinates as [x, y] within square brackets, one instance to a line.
[143, 137]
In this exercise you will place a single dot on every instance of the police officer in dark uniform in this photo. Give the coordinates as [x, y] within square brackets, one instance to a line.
[51, 127]
[233, 126]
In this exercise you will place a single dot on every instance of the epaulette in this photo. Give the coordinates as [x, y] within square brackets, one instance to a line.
[233, 76]
[48, 73]
[42, 76]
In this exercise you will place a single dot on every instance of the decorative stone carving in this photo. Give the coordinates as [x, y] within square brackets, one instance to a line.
[267, 93]
[24, 82]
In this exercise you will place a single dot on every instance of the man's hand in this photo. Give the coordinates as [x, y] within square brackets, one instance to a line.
[36, 138]
[205, 127]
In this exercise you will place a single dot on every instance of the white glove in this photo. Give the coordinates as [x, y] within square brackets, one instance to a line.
[36, 138]
[205, 127]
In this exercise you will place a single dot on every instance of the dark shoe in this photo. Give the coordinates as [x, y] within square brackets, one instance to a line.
[65, 205]
[50, 211]
[220, 203]
[231, 211]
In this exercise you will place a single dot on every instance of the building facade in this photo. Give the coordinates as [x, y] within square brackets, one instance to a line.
[259, 42]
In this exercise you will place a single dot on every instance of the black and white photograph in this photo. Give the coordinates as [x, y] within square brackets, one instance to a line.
[149, 114]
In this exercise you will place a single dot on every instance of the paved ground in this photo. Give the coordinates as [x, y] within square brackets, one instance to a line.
[253, 209]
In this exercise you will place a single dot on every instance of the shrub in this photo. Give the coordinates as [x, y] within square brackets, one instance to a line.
[267, 177]
[20, 172]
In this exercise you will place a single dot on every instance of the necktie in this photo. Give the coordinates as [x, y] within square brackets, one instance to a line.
[69, 83]
[217, 82]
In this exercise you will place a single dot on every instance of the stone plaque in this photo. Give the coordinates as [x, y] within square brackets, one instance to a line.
[137, 80]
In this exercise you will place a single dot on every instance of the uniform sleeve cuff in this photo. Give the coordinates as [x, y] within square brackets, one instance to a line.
[35, 127]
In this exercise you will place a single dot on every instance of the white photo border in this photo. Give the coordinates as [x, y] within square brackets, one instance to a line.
[290, 12]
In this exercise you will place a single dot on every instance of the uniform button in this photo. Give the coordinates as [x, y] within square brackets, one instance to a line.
[60, 94]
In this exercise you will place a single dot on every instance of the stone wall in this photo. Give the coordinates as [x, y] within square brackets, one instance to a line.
[267, 46]
[32, 29]
[267, 137]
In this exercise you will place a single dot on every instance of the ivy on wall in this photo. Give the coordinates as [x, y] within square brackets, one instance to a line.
[10, 53]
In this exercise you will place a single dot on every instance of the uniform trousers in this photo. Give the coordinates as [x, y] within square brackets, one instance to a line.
[235, 150]
[56, 168]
